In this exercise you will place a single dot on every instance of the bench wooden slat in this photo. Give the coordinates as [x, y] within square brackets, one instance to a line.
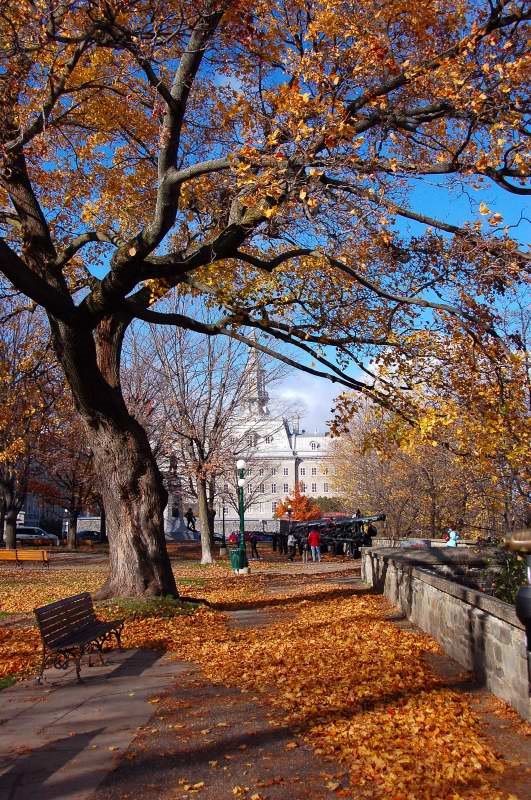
[19, 555]
[74, 617]
[60, 604]
[8, 555]
[59, 632]
[64, 611]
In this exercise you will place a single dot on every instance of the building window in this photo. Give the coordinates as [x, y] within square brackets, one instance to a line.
[261, 471]
[261, 488]
[286, 471]
[273, 488]
[251, 439]
[286, 488]
[314, 445]
[274, 505]
[325, 488]
[249, 470]
[303, 487]
[325, 471]
[268, 439]
[314, 470]
[303, 471]
[225, 487]
[249, 488]
[314, 487]
[274, 471]
[260, 507]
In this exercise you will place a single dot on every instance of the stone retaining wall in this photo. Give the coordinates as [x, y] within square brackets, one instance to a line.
[383, 541]
[478, 631]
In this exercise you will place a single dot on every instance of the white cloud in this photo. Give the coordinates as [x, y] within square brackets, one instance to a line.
[314, 395]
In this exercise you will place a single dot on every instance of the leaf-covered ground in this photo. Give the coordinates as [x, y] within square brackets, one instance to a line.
[357, 687]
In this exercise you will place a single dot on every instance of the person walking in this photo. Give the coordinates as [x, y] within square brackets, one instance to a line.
[305, 548]
[292, 546]
[314, 541]
[190, 520]
[254, 549]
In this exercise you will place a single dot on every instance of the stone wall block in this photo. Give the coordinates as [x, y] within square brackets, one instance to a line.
[478, 631]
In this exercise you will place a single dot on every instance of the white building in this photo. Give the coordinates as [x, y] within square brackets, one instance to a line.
[279, 455]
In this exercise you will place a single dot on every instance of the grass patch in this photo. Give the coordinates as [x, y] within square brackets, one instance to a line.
[190, 581]
[8, 680]
[144, 607]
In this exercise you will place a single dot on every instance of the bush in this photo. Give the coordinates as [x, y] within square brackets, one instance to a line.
[511, 576]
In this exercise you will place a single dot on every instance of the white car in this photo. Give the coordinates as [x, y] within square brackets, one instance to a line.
[26, 535]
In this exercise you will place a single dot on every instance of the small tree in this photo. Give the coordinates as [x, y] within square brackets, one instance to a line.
[194, 389]
[303, 508]
[27, 396]
[327, 504]
[64, 467]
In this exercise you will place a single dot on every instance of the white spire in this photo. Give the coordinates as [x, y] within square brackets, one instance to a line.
[257, 396]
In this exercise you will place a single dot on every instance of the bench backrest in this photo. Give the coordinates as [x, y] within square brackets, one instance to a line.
[58, 620]
[24, 555]
[35, 555]
[8, 555]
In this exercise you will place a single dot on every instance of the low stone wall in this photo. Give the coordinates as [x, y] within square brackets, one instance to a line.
[478, 631]
[383, 541]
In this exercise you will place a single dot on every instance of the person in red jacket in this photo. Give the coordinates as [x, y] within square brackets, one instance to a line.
[314, 542]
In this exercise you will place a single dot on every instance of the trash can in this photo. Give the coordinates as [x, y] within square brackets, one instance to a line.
[234, 556]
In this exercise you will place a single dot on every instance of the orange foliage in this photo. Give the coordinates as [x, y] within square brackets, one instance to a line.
[360, 690]
[303, 507]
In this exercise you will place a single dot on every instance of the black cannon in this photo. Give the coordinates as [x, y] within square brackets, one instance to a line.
[355, 532]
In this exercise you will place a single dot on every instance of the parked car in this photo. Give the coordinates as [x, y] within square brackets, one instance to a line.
[37, 536]
[89, 537]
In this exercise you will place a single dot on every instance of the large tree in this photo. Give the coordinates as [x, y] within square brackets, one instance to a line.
[259, 155]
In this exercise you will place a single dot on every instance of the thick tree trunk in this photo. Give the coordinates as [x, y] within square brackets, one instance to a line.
[71, 535]
[2, 520]
[134, 500]
[204, 522]
[131, 486]
[10, 535]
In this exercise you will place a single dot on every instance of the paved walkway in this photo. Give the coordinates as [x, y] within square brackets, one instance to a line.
[104, 740]
[58, 741]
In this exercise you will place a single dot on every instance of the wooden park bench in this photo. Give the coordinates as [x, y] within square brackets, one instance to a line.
[19, 556]
[70, 629]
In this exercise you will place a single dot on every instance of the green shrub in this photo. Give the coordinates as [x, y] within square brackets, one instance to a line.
[511, 577]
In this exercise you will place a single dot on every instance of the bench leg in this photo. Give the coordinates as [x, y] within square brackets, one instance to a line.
[77, 661]
[41, 673]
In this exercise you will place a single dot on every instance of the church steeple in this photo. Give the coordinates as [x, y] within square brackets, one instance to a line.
[257, 396]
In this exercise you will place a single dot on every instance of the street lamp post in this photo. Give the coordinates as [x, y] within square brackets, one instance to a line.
[243, 564]
[223, 548]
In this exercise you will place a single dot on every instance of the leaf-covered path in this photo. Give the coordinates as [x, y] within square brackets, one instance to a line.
[300, 683]
[311, 691]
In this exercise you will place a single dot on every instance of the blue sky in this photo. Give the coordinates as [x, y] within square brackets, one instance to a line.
[431, 197]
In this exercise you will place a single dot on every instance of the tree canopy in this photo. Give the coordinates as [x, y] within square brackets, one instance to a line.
[261, 156]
